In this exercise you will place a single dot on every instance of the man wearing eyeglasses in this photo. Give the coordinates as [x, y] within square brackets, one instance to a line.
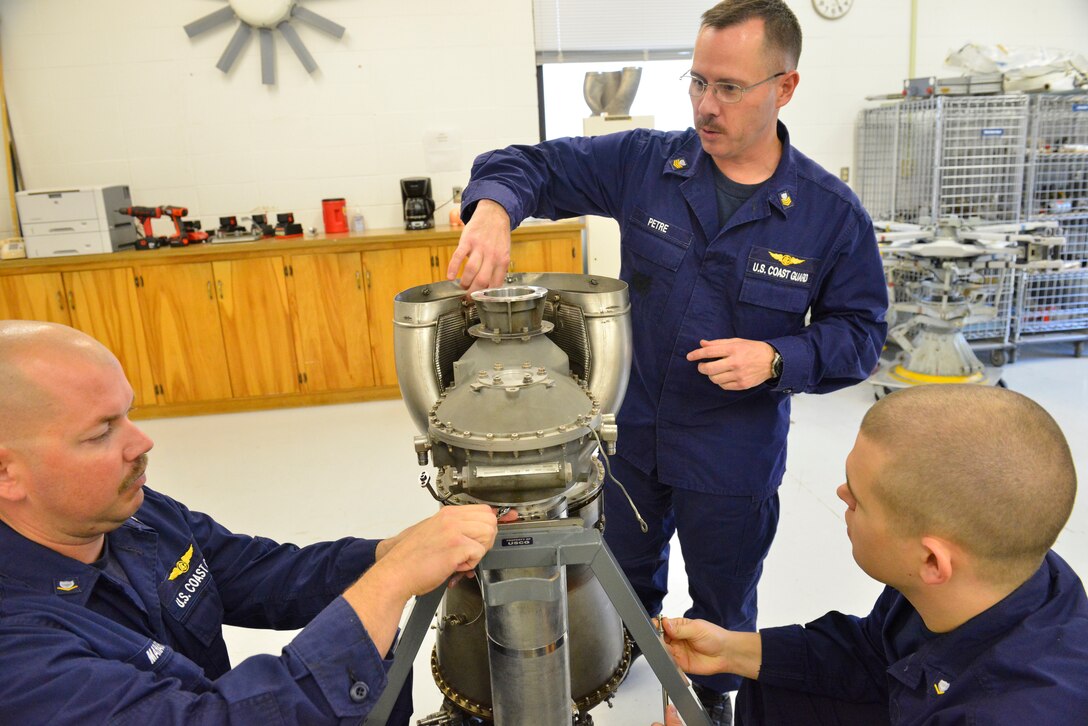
[754, 274]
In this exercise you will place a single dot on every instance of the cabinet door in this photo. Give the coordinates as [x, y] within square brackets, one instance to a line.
[103, 304]
[181, 325]
[256, 323]
[38, 296]
[442, 257]
[332, 337]
[386, 273]
[561, 254]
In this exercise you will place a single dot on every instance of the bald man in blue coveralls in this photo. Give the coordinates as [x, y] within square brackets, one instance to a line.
[113, 596]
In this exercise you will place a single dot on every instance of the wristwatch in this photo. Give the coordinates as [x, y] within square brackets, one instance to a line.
[776, 364]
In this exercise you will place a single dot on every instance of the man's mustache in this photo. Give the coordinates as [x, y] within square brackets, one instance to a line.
[139, 467]
[706, 123]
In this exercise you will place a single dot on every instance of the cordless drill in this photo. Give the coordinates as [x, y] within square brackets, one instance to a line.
[145, 214]
[185, 233]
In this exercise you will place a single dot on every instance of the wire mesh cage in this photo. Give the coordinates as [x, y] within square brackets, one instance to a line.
[1057, 182]
[940, 157]
[1075, 231]
[875, 158]
[981, 144]
[894, 152]
[1050, 302]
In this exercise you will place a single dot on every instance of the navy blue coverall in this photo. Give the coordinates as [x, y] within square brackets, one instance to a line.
[698, 459]
[1023, 661]
[81, 646]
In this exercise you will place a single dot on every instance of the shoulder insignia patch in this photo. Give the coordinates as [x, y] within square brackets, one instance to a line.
[679, 163]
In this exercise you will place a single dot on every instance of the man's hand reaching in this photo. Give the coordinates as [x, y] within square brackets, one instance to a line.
[484, 249]
[418, 560]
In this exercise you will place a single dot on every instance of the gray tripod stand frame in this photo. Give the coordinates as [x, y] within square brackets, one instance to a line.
[543, 544]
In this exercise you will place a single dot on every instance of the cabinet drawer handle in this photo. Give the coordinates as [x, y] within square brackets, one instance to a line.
[60, 300]
[219, 287]
[358, 280]
[211, 296]
[367, 279]
[71, 301]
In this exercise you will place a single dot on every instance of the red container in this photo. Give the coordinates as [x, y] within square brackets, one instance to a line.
[336, 218]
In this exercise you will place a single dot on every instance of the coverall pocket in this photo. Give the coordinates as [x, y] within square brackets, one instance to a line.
[650, 262]
[196, 605]
[662, 243]
[772, 309]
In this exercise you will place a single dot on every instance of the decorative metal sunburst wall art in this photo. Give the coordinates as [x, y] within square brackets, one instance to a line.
[264, 16]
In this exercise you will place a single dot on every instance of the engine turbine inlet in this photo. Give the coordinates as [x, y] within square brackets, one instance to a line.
[514, 392]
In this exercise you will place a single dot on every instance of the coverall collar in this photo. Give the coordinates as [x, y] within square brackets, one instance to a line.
[696, 168]
[48, 572]
[949, 654]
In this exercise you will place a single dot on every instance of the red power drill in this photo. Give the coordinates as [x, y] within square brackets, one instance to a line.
[185, 233]
[145, 214]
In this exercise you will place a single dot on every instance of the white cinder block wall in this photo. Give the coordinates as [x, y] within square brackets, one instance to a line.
[867, 53]
[113, 91]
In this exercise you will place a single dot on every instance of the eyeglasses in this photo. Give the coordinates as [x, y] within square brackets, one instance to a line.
[723, 91]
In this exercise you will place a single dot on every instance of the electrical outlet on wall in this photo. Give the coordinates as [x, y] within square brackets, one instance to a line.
[844, 173]
[457, 191]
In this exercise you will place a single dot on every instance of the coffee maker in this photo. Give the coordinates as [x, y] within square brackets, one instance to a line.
[415, 192]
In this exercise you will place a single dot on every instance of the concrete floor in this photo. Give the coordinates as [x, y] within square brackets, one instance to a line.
[311, 474]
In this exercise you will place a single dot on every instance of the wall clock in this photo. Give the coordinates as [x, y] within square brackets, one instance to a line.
[832, 9]
[264, 16]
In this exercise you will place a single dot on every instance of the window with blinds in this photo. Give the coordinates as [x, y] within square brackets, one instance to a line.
[615, 30]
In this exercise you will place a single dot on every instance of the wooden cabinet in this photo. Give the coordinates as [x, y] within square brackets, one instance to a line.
[261, 324]
[183, 332]
[387, 272]
[34, 297]
[552, 255]
[332, 335]
[562, 253]
[442, 256]
[256, 322]
[103, 304]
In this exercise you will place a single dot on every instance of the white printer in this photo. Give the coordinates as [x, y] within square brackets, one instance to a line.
[79, 221]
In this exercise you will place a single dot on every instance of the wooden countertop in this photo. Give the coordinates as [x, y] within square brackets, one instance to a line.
[346, 242]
